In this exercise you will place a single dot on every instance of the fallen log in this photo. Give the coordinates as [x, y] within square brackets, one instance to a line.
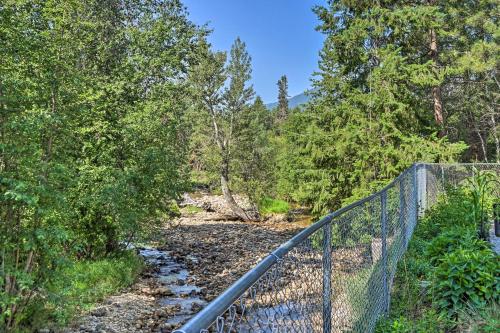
[222, 218]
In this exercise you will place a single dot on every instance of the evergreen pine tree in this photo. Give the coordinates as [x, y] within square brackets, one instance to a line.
[282, 99]
[370, 117]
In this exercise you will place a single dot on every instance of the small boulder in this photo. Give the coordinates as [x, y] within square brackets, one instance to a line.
[99, 312]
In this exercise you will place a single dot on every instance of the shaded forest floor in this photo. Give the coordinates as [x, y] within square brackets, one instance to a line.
[214, 251]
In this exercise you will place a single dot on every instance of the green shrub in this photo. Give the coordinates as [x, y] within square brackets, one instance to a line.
[452, 211]
[80, 285]
[417, 263]
[452, 239]
[407, 292]
[172, 209]
[269, 206]
[465, 277]
[446, 272]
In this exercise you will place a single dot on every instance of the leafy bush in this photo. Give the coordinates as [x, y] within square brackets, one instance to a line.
[269, 205]
[173, 209]
[79, 285]
[445, 268]
[452, 211]
[452, 239]
[465, 277]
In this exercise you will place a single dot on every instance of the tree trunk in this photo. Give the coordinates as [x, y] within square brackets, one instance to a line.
[483, 145]
[495, 136]
[436, 90]
[438, 105]
[228, 196]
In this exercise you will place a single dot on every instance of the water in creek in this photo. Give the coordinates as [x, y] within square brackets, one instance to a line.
[186, 297]
[173, 276]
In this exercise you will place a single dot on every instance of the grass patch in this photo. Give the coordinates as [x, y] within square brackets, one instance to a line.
[270, 206]
[191, 210]
[78, 286]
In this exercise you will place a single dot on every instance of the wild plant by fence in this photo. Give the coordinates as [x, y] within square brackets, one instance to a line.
[336, 275]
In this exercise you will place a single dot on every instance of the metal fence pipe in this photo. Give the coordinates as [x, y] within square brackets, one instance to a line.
[385, 268]
[402, 213]
[327, 278]
[210, 313]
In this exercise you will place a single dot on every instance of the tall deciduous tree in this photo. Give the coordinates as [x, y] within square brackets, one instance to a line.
[224, 93]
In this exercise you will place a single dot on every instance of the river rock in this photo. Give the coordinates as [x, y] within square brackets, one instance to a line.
[99, 312]
[163, 291]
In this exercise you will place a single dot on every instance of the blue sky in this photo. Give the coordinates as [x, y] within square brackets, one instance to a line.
[279, 34]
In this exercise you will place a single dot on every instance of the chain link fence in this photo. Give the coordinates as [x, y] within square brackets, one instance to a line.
[336, 275]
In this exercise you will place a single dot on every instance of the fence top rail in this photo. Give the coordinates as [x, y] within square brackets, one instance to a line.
[211, 312]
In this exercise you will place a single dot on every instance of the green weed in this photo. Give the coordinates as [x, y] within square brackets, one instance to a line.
[269, 206]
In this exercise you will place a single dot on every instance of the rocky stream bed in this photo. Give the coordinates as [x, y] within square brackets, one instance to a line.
[201, 254]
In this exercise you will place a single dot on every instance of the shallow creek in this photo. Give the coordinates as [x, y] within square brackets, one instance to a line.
[173, 276]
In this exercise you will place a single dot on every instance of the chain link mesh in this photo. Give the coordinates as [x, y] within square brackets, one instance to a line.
[338, 279]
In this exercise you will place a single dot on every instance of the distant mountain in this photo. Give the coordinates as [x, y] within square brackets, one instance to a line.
[292, 101]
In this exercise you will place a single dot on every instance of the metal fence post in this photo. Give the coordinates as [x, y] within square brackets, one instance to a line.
[422, 189]
[443, 183]
[327, 277]
[414, 186]
[402, 212]
[496, 215]
[385, 268]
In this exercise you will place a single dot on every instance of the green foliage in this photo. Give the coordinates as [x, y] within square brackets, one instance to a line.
[451, 240]
[447, 271]
[172, 209]
[486, 320]
[101, 123]
[93, 142]
[466, 277]
[231, 136]
[369, 118]
[481, 186]
[409, 290]
[430, 321]
[253, 159]
[269, 206]
[453, 210]
[80, 285]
